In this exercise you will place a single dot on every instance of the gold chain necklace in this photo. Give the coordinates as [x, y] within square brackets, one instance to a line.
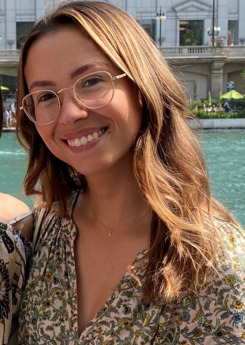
[113, 228]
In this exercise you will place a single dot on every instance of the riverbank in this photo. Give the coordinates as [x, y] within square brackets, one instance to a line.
[8, 129]
[198, 123]
[217, 123]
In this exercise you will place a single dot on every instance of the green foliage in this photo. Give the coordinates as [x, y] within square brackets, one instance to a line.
[202, 114]
[198, 109]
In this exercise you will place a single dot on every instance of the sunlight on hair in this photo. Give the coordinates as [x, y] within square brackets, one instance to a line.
[52, 6]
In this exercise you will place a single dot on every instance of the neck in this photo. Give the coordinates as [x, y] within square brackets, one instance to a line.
[114, 209]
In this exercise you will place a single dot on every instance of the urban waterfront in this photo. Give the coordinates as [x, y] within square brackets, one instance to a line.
[224, 152]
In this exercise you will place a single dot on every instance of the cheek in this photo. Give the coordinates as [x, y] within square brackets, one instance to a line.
[130, 107]
[47, 137]
[43, 132]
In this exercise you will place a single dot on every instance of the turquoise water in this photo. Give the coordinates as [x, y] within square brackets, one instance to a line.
[12, 169]
[225, 156]
[224, 151]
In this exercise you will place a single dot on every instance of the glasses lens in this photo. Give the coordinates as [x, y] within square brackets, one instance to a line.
[94, 90]
[42, 106]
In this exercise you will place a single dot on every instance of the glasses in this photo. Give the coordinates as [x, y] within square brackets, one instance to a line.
[93, 91]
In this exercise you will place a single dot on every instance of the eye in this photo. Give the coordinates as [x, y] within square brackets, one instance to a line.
[45, 96]
[92, 81]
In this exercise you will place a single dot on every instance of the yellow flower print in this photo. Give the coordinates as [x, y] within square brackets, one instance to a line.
[237, 304]
[147, 320]
[198, 332]
[232, 239]
[196, 316]
[159, 335]
[163, 324]
[48, 276]
[230, 280]
[180, 322]
[243, 335]
[137, 333]
[32, 285]
[209, 327]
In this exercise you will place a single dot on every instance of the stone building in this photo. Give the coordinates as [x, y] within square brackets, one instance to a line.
[203, 40]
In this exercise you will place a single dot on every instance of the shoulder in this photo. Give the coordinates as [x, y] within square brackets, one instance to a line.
[15, 212]
[11, 208]
[42, 213]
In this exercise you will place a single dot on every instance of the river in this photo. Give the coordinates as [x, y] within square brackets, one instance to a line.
[224, 151]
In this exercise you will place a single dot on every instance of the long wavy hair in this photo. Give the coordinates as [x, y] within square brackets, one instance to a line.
[168, 163]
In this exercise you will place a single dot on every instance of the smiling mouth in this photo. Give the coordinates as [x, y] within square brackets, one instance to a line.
[86, 139]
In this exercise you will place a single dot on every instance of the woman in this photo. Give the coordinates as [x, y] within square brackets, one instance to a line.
[129, 246]
[14, 252]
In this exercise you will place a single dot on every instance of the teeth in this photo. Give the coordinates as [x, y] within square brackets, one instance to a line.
[85, 139]
[90, 138]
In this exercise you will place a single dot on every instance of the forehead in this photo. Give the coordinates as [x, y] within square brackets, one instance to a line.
[61, 51]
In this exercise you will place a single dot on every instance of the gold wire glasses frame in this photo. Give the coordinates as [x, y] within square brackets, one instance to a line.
[93, 91]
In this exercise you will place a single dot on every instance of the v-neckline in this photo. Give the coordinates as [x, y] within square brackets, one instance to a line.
[122, 284]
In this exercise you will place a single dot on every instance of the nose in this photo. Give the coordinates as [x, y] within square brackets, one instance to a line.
[70, 110]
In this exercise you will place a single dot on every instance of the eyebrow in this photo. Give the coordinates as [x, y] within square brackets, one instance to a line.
[78, 71]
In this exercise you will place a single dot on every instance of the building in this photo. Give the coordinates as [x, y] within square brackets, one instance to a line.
[203, 58]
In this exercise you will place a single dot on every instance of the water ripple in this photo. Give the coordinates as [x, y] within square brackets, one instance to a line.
[14, 153]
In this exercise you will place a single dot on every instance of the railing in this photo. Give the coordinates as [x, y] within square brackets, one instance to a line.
[9, 55]
[203, 51]
[168, 52]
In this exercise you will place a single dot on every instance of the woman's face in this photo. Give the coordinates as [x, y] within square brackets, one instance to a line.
[91, 141]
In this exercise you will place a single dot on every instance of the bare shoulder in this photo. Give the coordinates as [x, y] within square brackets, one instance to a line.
[11, 208]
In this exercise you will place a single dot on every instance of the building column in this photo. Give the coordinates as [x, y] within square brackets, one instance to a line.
[217, 77]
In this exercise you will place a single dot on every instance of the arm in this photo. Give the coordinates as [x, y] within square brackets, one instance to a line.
[11, 208]
[16, 213]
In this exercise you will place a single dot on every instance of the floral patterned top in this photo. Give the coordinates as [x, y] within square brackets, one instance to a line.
[49, 308]
[14, 251]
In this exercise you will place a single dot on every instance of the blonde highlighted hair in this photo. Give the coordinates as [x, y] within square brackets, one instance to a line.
[168, 163]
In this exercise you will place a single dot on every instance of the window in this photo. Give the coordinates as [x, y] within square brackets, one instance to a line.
[22, 30]
[149, 25]
[191, 32]
[232, 35]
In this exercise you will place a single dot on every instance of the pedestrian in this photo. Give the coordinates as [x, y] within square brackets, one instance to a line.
[226, 106]
[6, 118]
[13, 108]
[15, 250]
[129, 245]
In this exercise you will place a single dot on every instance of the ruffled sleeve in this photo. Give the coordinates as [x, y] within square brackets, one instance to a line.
[14, 253]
